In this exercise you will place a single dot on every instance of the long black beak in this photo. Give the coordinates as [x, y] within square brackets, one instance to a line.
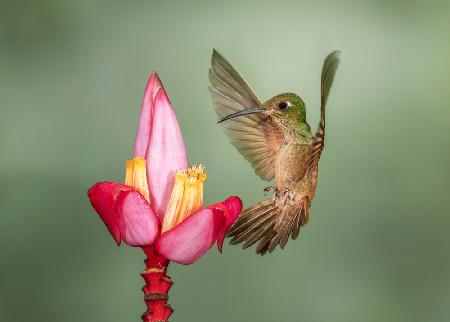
[243, 112]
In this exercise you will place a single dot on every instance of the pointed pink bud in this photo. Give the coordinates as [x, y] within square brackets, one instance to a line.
[231, 208]
[145, 120]
[192, 238]
[166, 152]
[103, 196]
[139, 225]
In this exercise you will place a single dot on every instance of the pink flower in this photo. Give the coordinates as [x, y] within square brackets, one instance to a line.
[161, 202]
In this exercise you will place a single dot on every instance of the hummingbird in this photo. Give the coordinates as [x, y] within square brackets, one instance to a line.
[276, 139]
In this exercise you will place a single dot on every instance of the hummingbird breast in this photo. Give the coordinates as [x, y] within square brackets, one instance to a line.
[291, 163]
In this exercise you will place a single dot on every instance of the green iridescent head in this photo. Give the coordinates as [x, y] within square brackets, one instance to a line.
[286, 109]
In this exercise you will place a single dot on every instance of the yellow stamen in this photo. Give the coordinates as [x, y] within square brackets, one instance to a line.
[176, 198]
[129, 172]
[186, 197]
[136, 176]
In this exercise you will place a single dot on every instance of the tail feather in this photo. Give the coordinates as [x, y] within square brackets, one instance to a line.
[256, 227]
[263, 245]
[264, 230]
[249, 214]
[257, 219]
[256, 223]
[286, 232]
[268, 225]
[296, 228]
[282, 235]
[288, 225]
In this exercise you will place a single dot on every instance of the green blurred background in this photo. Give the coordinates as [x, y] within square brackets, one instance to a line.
[72, 74]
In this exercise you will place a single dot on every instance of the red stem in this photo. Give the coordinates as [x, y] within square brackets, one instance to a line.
[157, 285]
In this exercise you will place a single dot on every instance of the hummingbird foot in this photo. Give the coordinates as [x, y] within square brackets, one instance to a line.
[285, 195]
[281, 195]
[270, 189]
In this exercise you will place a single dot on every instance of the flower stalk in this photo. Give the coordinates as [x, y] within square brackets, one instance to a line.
[157, 286]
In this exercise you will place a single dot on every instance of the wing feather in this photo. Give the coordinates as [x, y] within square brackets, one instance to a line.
[329, 68]
[254, 136]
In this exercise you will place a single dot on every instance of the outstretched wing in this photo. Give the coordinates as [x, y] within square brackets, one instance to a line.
[255, 136]
[329, 68]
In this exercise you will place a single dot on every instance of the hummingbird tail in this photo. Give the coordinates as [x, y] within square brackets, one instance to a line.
[256, 223]
[292, 218]
[269, 225]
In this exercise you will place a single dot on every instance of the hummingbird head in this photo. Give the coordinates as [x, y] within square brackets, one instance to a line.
[286, 110]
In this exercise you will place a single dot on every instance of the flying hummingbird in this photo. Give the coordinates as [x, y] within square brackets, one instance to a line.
[276, 139]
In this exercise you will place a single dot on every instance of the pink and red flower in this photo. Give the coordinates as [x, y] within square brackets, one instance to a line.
[161, 202]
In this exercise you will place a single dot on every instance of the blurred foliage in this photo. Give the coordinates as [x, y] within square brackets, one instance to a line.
[72, 74]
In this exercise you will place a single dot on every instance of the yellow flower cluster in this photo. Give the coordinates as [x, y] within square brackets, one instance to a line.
[186, 197]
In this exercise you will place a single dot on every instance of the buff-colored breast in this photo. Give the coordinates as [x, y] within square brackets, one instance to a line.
[291, 163]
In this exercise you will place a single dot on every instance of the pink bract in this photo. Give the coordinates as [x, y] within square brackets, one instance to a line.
[130, 217]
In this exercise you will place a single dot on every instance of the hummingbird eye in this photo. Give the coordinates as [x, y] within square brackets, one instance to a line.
[283, 105]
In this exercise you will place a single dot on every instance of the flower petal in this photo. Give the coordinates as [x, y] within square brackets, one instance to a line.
[145, 120]
[166, 152]
[138, 223]
[231, 208]
[188, 241]
[103, 196]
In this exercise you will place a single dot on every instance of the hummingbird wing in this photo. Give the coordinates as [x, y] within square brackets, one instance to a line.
[253, 135]
[329, 68]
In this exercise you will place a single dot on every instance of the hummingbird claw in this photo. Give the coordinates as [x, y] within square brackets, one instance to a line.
[281, 195]
[270, 189]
